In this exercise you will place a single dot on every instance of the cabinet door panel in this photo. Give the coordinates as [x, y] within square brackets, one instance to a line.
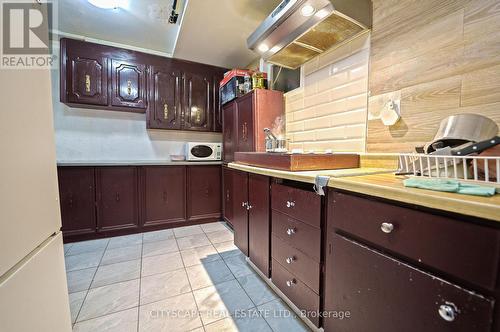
[259, 221]
[86, 78]
[128, 84]
[383, 294]
[204, 192]
[229, 131]
[165, 194]
[245, 122]
[117, 198]
[77, 199]
[197, 101]
[165, 98]
[240, 213]
[227, 194]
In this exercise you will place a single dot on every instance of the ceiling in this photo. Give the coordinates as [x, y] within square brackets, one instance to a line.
[213, 31]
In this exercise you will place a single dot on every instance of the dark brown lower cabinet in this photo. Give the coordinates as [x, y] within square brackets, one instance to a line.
[77, 199]
[164, 194]
[227, 194]
[204, 192]
[259, 226]
[117, 198]
[384, 294]
[240, 212]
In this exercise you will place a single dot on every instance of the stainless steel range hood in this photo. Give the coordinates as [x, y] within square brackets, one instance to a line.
[298, 30]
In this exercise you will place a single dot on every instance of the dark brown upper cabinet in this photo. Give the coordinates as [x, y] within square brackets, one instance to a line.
[197, 101]
[165, 83]
[175, 94]
[128, 81]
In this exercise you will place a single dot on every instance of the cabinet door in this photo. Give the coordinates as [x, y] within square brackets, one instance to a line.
[128, 81]
[197, 101]
[164, 110]
[164, 194]
[117, 198]
[217, 109]
[77, 199]
[86, 79]
[259, 221]
[229, 132]
[245, 127]
[227, 194]
[383, 294]
[240, 212]
[204, 192]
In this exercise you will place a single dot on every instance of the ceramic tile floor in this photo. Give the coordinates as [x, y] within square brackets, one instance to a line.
[189, 278]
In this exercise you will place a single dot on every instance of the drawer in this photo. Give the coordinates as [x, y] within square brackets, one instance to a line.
[462, 249]
[296, 262]
[297, 203]
[297, 234]
[301, 295]
[378, 289]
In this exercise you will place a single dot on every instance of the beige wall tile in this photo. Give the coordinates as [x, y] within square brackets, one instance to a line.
[295, 126]
[304, 114]
[317, 123]
[317, 99]
[350, 117]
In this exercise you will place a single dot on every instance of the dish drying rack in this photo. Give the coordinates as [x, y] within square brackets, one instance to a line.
[477, 169]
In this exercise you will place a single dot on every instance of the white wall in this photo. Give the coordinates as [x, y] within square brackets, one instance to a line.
[98, 135]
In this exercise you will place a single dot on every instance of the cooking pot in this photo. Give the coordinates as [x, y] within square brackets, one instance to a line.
[462, 128]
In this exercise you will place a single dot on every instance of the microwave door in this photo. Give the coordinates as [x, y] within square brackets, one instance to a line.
[202, 152]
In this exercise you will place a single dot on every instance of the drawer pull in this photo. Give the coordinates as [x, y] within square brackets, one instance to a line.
[290, 204]
[387, 227]
[244, 204]
[290, 260]
[448, 311]
[290, 231]
[290, 283]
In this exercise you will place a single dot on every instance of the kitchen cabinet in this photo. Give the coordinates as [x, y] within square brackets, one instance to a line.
[164, 194]
[384, 294]
[204, 192]
[84, 78]
[245, 119]
[165, 107]
[128, 79]
[117, 198]
[227, 194]
[77, 200]
[240, 212]
[218, 123]
[230, 131]
[198, 101]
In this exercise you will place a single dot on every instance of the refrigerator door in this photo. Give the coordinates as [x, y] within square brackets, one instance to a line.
[34, 295]
[29, 208]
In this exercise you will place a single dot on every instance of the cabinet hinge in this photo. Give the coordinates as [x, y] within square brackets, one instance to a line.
[319, 184]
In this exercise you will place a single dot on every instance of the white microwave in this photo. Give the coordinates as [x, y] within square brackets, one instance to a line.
[196, 151]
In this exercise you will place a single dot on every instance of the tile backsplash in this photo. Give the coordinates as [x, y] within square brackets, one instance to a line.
[330, 110]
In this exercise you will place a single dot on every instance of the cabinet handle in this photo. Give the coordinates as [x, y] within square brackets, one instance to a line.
[290, 283]
[165, 111]
[290, 231]
[245, 131]
[244, 204]
[227, 195]
[249, 207]
[87, 83]
[448, 311]
[165, 196]
[290, 204]
[290, 260]
[129, 87]
[117, 197]
[387, 227]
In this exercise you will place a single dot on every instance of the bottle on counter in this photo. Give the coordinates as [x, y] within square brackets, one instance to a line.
[247, 83]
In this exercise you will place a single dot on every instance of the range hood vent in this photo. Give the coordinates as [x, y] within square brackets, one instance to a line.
[298, 30]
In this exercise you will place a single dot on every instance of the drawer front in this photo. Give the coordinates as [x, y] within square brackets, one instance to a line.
[386, 295]
[296, 262]
[298, 234]
[301, 295]
[468, 251]
[299, 204]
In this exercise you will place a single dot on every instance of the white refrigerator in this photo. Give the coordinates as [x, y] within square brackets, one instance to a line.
[33, 288]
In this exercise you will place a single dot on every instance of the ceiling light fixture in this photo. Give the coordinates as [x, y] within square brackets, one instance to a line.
[109, 4]
[263, 48]
[307, 10]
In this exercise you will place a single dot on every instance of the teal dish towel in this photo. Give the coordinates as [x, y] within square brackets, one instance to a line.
[452, 186]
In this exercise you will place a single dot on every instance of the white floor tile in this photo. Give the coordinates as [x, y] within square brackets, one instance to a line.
[159, 247]
[200, 255]
[161, 263]
[110, 274]
[208, 274]
[122, 321]
[164, 285]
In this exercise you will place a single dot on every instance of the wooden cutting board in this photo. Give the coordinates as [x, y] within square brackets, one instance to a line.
[298, 162]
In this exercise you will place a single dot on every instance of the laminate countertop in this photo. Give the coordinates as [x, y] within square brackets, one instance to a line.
[136, 163]
[383, 183]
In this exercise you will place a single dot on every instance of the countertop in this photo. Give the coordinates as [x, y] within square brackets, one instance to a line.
[135, 163]
[383, 183]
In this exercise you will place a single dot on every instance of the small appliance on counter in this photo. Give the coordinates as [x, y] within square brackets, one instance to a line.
[237, 82]
[198, 151]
